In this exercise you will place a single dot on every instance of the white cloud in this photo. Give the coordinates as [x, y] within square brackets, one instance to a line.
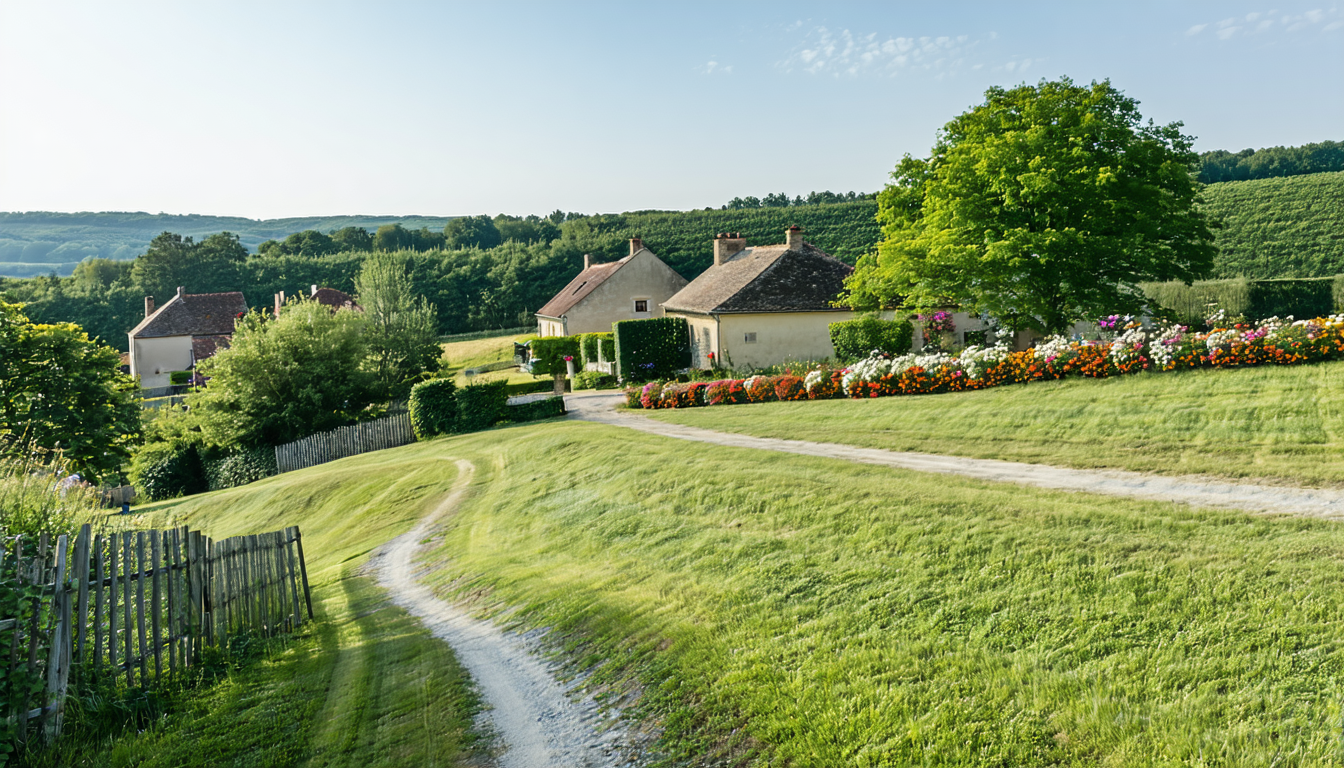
[1227, 32]
[1195, 30]
[712, 66]
[1259, 23]
[845, 53]
[1332, 26]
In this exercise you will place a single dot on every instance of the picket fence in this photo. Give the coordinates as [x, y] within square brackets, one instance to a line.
[387, 432]
[120, 603]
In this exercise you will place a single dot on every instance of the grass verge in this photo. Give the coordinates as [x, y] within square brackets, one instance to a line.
[365, 685]
[1279, 424]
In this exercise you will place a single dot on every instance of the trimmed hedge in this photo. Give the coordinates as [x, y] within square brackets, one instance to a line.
[529, 387]
[481, 406]
[590, 343]
[607, 347]
[240, 467]
[549, 352]
[1256, 299]
[856, 339]
[168, 470]
[652, 349]
[593, 380]
[433, 408]
[537, 409]
[1303, 299]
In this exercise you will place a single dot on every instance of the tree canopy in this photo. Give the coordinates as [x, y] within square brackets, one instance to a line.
[401, 326]
[1044, 205]
[60, 390]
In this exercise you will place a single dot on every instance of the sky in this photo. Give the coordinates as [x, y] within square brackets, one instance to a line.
[278, 109]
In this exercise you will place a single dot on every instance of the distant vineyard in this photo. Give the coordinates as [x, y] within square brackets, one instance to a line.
[1285, 227]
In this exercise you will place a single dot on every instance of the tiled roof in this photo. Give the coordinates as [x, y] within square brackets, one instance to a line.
[193, 314]
[335, 299]
[770, 278]
[206, 346]
[581, 286]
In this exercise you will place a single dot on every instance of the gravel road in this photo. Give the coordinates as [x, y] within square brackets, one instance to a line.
[1197, 491]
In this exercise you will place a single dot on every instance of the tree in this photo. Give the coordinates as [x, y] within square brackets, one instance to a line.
[471, 232]
[402, 327]
[392, 237]
[286, 378]
[61, 390]
[173, 260]
[352, 239]
[1044, 205]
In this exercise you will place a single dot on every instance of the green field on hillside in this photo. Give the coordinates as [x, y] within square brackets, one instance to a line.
[366, 686]
[786, 610]
[1279, 424]
[1285, 227]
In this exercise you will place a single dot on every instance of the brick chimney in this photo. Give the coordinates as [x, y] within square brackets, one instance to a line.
[149, 306]
[635, 245]
[587, 260]
[726, 244]
[793, 236]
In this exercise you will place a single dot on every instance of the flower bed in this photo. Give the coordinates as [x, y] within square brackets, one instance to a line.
[1131, 348]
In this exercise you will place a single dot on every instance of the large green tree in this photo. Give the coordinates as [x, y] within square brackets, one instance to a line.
[60, 390]
[1045, 205]
[171, 261]
[285, 378]
[401, 326]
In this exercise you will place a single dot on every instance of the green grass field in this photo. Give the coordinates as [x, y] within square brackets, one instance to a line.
[462, 355]
[1270, 424]
[364, 686]
[786, 610]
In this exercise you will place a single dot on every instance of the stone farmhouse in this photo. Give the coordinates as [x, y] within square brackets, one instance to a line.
[762, 305]
[329, 297]
[633, 288]
[188, 327]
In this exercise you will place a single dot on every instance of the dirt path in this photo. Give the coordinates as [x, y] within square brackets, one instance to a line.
[537, 721]
[1198, 491]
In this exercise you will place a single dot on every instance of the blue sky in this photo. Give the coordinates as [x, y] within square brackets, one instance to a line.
[287, 109]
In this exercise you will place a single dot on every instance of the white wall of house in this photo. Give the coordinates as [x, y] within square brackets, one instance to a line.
[761, 339]
[547, 326]
[154, 358]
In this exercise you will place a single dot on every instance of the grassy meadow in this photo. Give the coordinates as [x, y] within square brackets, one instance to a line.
[472, 353]
[790, 611]
[1266, 424]
[364, 686]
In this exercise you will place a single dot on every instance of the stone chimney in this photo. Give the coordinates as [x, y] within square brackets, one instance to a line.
[635, 245]
[587, 260]
[313, 294]
[793, 236]
[278, 303]
[181, 292]
[726, 244]
[149, 306]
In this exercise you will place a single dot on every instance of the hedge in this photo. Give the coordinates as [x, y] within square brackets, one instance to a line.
[549, 352]
[481, 406]
[537, 409]
[433, 408]
[240, 467]
[590, 343]
[167, 470]
[652, 349]
[1256, 299]
[856, 339]
[607, 347]
[529, 387]
[593, 380]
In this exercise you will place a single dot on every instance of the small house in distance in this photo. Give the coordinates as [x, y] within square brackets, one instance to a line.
[187, 328]
[328, 297]
[762, 305]
[633, 288]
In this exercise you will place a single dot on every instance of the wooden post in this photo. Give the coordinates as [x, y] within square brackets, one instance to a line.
[18, 710]
[112, 614]
[173, 541]
[156, 605]
[128, 628]
[303, 569]
[99, 575]
[81, 572]
[140, 607]
[62, 640]
[293, 578]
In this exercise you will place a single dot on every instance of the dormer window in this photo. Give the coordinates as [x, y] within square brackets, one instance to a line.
[641, 305]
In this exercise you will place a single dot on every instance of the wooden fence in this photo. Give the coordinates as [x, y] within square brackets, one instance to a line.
[143, 604]
[387, 432]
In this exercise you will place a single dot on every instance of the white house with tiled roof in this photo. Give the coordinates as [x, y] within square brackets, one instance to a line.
[633, 288]
[763, 305]
[187, 328]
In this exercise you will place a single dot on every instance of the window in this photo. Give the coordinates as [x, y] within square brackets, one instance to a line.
[750, 338]
[641, 305]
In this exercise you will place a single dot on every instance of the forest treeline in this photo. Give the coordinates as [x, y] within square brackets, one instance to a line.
[483, 273]
[1271, 162]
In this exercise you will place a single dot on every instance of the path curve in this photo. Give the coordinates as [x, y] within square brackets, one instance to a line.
[539, 724]
[1197, 491]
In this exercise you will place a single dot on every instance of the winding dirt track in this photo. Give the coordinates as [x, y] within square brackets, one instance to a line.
[533, 715]
[1196, 491]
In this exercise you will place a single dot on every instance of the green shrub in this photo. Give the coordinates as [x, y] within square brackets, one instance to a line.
[856, 339]
[529, 387]
[32, 501]
[652, 349]
[240, 467]
[1303, 299]
[594, 380]
[1255, 299]
[537, 409]
[433, 408]
[589, 344]
[549, 353]
[179, 378]
[606, 347]
[481, 406]
[165, 470]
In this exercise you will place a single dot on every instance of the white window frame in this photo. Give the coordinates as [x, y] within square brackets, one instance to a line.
[634, 305]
